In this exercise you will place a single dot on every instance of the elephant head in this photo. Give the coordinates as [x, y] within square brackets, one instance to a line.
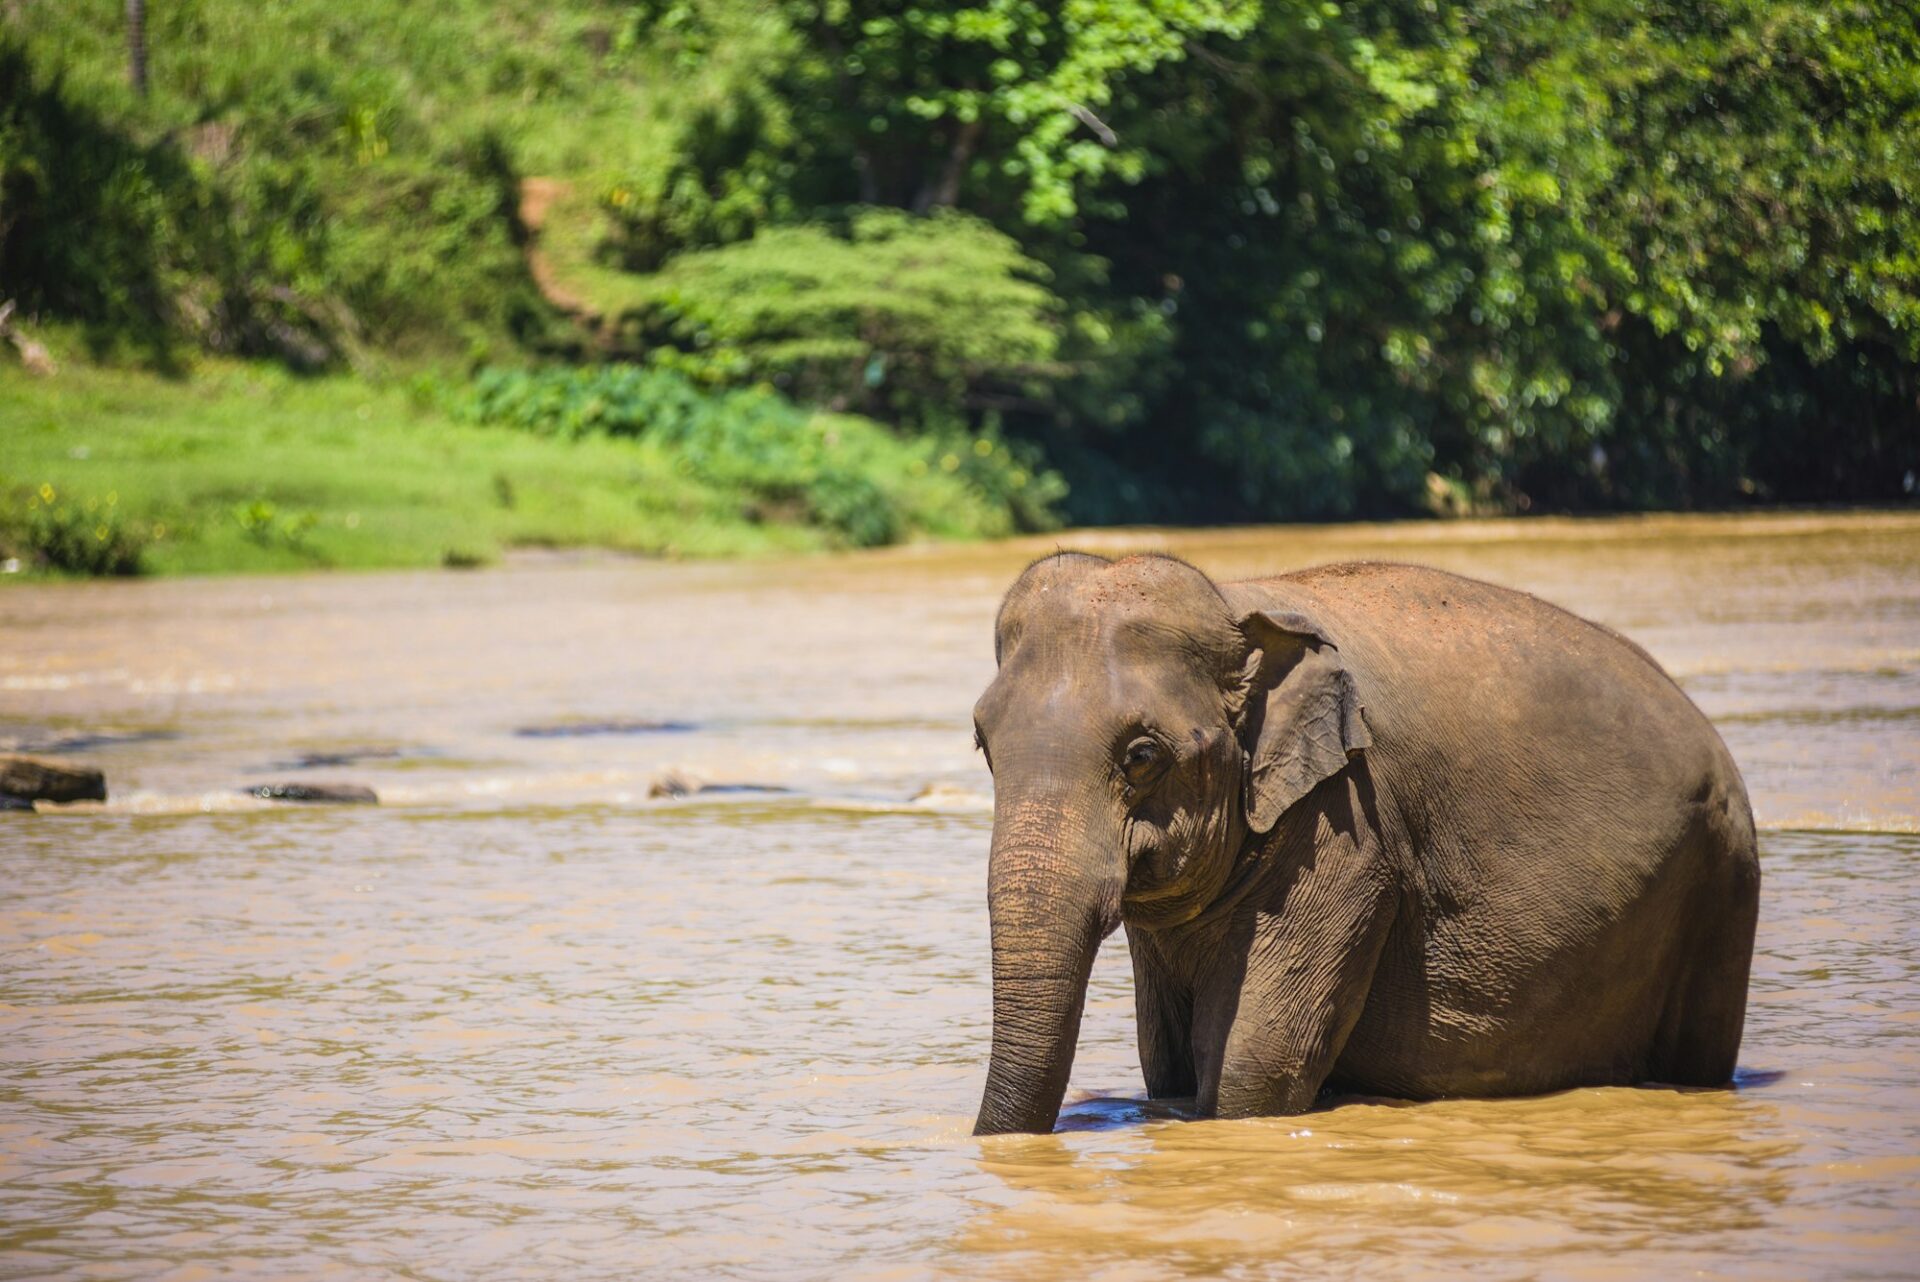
[1138, 731]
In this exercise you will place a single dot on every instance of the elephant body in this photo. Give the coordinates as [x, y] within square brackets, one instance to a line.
[1373, 828]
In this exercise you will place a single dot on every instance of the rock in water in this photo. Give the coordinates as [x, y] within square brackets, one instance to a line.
[344, 757]
[588, 729]
[37, 779]
[37, 739]
[317, 794]
[674, 783]
[678, 783]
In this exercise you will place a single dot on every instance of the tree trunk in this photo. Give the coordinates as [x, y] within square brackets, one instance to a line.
[137, 45]
[944, 191]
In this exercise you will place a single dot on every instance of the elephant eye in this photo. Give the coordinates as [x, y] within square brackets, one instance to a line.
[1142, 762]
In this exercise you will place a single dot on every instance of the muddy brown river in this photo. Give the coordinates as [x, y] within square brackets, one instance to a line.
[524, 1021]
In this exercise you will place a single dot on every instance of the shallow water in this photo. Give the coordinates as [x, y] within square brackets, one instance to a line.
[523, 1021]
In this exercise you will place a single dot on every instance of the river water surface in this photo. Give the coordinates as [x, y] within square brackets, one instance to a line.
[523, 1021]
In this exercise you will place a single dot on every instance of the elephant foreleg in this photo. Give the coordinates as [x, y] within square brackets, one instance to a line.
[1267, 1037]
[1163, 1011]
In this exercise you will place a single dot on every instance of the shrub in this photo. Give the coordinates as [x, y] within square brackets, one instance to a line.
[902, 318]
[74, 536]
[1009, 474]
[263, 522]
[306, 221]
[843, 473]
[615, 400]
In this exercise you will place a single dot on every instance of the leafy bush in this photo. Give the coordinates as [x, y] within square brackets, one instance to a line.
[307, 218]
[616, 400]
[1010, 474]
[262, 521]
[77, 536]
[908, 319]
[125, 237]
[843, 473]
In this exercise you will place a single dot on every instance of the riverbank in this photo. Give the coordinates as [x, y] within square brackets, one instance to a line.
[245, 468]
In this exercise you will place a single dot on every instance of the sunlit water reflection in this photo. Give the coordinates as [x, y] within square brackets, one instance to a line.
[523, 1021]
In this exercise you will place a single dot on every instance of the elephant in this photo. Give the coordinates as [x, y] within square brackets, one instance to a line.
[1372, 829]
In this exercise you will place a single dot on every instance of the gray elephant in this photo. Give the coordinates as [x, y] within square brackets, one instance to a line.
[1371, 828]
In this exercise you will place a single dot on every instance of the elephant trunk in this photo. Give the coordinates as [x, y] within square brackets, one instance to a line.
[1054, 893]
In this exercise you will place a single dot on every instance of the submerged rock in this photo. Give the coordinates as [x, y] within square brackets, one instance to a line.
[318, 794]
[586, 729]
[678, 783]
[33, 779]
[17, 739]
[343, 757]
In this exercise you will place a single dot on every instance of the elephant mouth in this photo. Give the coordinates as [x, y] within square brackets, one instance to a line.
[1199, 889]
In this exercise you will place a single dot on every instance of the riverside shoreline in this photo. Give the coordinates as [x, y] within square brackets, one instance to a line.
[244, 469]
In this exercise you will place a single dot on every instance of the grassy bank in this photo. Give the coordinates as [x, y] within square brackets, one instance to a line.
[244, 467]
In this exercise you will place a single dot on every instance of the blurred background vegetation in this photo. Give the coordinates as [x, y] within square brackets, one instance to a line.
[873, 270]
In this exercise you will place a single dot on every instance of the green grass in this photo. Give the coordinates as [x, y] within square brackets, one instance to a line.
[244, 468]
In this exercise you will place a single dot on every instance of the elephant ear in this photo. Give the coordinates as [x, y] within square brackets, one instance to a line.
[1301, 716]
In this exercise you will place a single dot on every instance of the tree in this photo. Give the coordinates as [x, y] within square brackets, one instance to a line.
[995, 106]
[1322, 259]
[137, 45]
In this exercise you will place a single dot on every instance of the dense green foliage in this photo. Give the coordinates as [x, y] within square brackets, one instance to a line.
[919, 319]
[1217, 258]
[283, 194]
[1323, 259]
[836, 471]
